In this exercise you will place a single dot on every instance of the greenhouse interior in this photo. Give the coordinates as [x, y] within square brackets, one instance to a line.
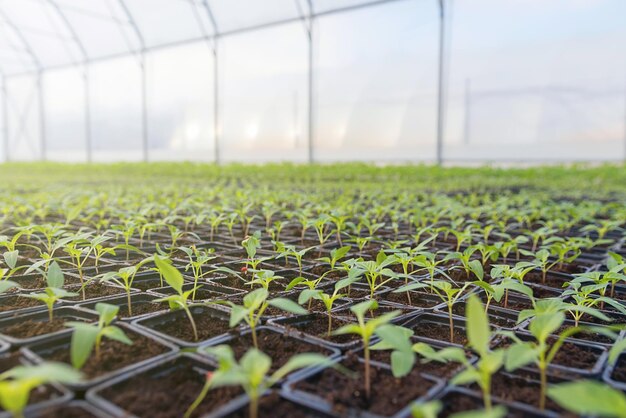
[312, 208]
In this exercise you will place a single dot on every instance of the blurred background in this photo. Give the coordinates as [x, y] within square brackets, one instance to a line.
[454, 81]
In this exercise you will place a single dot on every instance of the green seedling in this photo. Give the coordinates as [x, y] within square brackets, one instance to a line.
[54, 289]
[547, 319]
[252, 373]
[174, 278]
[366, 330]
[478, 337]
[254, 305]
[16, 384]
[87, 337]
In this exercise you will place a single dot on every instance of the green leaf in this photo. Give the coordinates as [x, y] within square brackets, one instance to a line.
[172, 276]
[498, 411]
[254, 299]
[586, 397]
[288, 306]
[6, 285]
[618, 348]
[256, 365]
[83, 341]
[55, 276]
[520, 355]
[360, 309]
[402, 362]
[237, 314]
[545, 324]
[478, 332]
[465, 377]
[300, 361]
[428, 409]
[10, 257]
[477, 268]
[117, 334]
[396, 337]
[348, 329]
[107, 312]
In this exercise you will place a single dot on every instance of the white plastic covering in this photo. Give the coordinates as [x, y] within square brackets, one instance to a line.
[524, 80]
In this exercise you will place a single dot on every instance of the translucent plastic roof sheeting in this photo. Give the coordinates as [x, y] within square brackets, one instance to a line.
[202, 79]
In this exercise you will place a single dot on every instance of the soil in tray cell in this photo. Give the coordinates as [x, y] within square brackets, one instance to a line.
[278, 346]
[42, 393]
[317, 326]
[275, 406]
[113, 354]
[346, 391]
[66, 411]
[433, 368]
[17, 302]
[168, 394]
[418, 299]
[208, 326]
[439, 331]
[32, 328]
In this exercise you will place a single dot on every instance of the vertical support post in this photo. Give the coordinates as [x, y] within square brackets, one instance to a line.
[310, 134]
[144, 107]
[5, 118]
[468, 113]
[216, 103]
[310, 104]
[87, 106]
[440, 83]
[42, 115]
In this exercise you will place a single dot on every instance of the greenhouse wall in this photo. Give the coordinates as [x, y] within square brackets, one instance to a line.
[299, 80]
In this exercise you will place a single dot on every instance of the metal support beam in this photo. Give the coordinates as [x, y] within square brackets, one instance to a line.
[144, 109]
[87, 105]
[216, 105]
[310, 137]
[42, 117]
[5, 118]
[468, 112]
[144, 94]
[440, 83]
[216, 95]
[85, 56]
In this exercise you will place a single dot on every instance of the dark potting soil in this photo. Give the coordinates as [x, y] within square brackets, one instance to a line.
[31, 328]
[280, 347]
[458, 402]
[207, 326]
[587, 336]
[433, 368]
[321, 269]
[67, 411]
[9, 361]
[236, 283]
[95, 290]
[619, 372]
[418, 299]
[148, 284]
[141, 308]
[516, 388]
[578, 356]
[439, 331]
[169, 395]
[570, 355]
[552, 280]
[273, 405]
[345, 392]
[113, 355]
[17, 302]
[318, 327]
[495, 317]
